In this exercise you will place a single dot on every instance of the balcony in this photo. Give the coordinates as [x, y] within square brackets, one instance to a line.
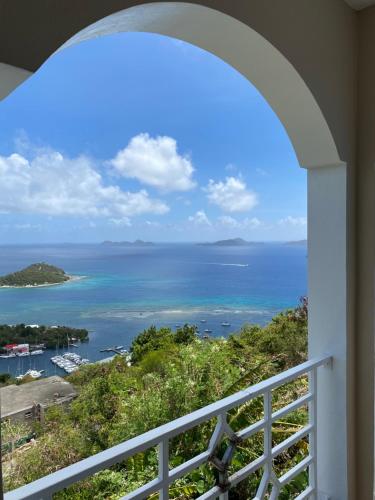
[45, 488]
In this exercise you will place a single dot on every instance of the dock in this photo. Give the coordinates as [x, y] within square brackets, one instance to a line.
[117, 350]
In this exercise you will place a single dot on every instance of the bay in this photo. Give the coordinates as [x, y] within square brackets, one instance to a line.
[126, 289]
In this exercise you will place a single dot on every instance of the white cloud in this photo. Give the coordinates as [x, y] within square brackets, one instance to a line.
[293, 221]
[252, 223]
[122, 222]
[155, 162]
[230, 222]
[200, 218]
[55, 185]
[231, 195]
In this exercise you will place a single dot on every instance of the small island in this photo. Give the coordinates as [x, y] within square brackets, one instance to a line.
[39, 274]
[136, 243]
[298, 243]
[233, 242]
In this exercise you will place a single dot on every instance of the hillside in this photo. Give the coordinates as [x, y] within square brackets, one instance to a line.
[172, 374]
[35, 275]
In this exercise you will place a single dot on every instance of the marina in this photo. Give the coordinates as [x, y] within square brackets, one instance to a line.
[69, 362]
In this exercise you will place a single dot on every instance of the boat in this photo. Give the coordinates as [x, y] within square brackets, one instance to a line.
[30, 373]
[6, 356]
[225, 323]
[205, 336]
[203, 320]
[207, 330]
[22, 354]
[36, 352]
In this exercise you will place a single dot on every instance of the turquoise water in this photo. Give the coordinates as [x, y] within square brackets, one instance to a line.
[124, 290]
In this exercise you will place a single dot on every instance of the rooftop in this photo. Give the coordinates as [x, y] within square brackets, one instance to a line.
[15, 398]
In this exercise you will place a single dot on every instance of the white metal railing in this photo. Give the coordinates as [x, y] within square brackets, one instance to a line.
[44, 488]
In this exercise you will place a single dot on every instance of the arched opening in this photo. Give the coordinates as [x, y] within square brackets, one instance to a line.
[283, 88]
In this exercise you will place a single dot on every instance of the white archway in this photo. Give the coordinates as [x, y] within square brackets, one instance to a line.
[238, 45]
[289, 96]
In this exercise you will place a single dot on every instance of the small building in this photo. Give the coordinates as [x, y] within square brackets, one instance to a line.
[16, 348]
[27, 402]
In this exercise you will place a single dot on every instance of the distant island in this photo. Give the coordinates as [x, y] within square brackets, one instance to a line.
[49, 336]
[297, 243]
[234, 242]
[136, 243]
[39, 274]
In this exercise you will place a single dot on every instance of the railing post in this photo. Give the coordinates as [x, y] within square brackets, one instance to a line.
[267, 444]
[313, 477]
[163, 459]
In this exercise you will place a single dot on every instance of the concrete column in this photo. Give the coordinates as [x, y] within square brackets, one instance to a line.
[365, 261]
[327, 291]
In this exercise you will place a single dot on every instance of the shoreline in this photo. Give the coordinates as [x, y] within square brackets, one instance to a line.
[69, 280]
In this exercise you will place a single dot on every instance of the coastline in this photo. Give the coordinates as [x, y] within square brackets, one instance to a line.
[69, 280]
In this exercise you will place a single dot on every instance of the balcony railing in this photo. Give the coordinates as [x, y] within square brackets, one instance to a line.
[45, 487]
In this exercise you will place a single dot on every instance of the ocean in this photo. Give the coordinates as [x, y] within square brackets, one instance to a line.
[126, 289]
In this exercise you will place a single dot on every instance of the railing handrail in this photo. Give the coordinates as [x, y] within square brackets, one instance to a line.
[104, 459]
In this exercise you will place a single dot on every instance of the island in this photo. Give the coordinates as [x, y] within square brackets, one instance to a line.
[39, 274]
[41, 335]
[233, 242]
[298, 243]
[136, 243]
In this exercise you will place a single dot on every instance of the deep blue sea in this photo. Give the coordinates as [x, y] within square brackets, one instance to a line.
[125, 290]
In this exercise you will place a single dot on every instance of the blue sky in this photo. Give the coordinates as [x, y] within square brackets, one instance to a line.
[142, 136]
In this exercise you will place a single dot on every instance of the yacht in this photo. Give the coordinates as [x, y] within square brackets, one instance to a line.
[225, 323]
[36, 352]
[30, 373]
[207, 330]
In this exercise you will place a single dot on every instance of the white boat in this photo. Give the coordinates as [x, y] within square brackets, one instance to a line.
[203, 320]
[22, 354]
[225, 323]
[207, 330]
[36, 352]
[35, 374]
[6, 356]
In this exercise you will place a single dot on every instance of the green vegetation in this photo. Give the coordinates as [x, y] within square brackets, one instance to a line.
[50, 336]
[34, 275]
[6, 379]
[173, 374]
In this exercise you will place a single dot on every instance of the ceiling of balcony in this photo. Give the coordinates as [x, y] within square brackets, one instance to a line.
[360, 4]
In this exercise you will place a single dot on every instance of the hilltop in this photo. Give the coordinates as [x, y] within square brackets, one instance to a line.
[39, 274]
[233, 242]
